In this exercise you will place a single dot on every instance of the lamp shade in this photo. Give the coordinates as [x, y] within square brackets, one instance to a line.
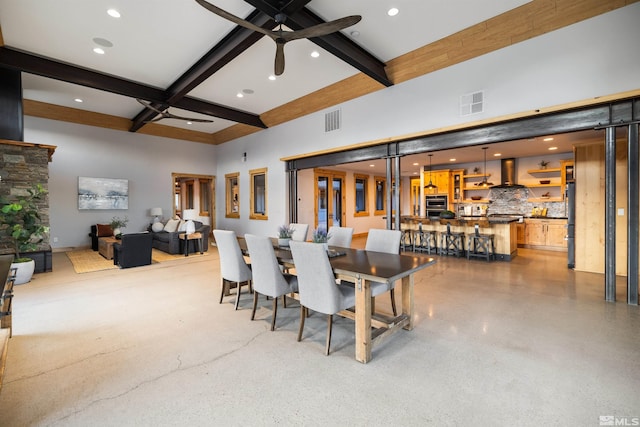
[189, 214]
[155, 212]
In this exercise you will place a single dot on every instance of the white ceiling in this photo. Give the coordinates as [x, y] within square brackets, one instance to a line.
[155, 41]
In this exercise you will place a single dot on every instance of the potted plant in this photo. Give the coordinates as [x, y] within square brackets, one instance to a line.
[543, 164]
[21, 222]
[447, 214]
[284, 235]
[116, 225]
[320, 235]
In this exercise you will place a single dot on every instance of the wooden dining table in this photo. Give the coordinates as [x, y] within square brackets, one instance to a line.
[363, 267]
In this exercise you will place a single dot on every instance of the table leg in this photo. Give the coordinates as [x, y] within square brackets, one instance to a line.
[407, 299]
[363, 320]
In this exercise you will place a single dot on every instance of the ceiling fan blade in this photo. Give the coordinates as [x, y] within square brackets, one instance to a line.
[322, 29]
[149, 106]
[226, 15]
[279, 61]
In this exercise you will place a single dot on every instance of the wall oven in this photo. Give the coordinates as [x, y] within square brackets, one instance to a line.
[436, 204]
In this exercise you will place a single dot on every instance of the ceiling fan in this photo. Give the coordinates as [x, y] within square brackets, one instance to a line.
[165, 114]
[280, 36]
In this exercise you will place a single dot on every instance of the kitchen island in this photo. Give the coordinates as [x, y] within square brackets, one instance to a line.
[504, 230]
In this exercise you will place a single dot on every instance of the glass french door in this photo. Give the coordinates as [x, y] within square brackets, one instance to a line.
[329, 199]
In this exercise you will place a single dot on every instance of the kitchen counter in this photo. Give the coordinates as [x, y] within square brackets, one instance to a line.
[504, 230]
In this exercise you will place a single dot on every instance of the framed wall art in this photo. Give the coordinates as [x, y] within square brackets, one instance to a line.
[103, 193]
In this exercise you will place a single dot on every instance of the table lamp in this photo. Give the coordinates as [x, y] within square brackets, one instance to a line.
[156, 213]
[189, 215]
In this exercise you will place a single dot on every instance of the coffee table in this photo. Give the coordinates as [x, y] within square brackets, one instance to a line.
[105, 246]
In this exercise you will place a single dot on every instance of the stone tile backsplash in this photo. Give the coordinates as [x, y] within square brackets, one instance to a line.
[514, 201]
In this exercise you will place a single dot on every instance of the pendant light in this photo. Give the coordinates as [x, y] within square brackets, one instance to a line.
[431, 185]
[484, 183]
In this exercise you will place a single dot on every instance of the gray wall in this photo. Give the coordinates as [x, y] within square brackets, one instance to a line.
[146, 161]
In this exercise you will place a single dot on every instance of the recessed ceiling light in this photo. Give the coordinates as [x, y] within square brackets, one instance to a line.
[113, 13]
[240, 95]
[78, 100]
[355, 33]
[102, 42]
[393, 11]
[416, 164]
[497, 155]
[272, 77]
[189, 123]
[452, 160]
[553, 148]
[548, 139]
[372, 166]
[315, 54]
[98, 50]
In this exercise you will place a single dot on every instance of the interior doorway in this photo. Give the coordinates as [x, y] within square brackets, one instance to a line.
[192, 191]
[329, 198]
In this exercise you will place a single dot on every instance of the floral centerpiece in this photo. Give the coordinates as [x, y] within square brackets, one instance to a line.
[321, 235]
[284, 235]
[118, 223]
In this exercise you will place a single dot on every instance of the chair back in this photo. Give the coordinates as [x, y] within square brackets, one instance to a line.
[382, 240]
[299, 231]
[340, 236]
[232, 264]
[267, 276]
[316, 282]
[5, 269]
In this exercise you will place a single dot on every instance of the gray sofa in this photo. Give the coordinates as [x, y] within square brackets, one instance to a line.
[171, 243]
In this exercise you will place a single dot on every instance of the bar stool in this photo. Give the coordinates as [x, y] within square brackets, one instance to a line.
[425, 240]
[452, 243]
[481, 245]
[406, 240]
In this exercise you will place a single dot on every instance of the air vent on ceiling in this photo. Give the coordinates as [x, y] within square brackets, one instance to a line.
[332, 120]
[472, 103]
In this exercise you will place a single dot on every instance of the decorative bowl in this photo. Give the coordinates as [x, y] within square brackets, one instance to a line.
[545, 181]
[476, 197]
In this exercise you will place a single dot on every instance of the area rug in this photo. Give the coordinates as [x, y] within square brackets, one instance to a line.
[87, 260]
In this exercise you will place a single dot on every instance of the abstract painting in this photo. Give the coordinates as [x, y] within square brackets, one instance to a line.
[103, 193]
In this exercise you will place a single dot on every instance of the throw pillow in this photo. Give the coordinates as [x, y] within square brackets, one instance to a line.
[172, 225]
[104, 230]
[182, 226]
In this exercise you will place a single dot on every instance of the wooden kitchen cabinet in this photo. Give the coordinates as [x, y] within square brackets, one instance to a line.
[440, 178]
[546, 234]
[520, 237]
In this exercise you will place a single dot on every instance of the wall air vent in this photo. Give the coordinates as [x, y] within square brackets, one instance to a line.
[472, 103]
[332, 120]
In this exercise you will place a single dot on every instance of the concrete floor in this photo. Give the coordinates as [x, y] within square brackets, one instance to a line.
[522, 343]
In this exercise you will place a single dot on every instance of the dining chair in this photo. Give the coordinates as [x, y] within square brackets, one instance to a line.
[268, 279]
[299, 231]
[387, 241]
[317, 285]
[340, 236]
[233, 267]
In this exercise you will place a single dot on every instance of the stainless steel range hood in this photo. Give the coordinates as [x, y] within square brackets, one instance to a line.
[508, 174]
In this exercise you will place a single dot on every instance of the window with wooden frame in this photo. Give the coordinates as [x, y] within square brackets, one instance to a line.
[380, 195]
[361, 198]
[258, 196]
[232, 198]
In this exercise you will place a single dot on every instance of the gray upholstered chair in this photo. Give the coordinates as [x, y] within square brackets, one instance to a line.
[233, 267]
[268, 279]
[340, 236]
[387, 241]
[299, 231]
[317, 285]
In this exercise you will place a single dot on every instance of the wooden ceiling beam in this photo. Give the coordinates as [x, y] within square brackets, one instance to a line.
[45, 67]
[232, 45]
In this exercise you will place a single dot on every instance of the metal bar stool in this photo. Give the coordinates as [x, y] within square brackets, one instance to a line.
[481, 245]
[425, 240]
[452, 243]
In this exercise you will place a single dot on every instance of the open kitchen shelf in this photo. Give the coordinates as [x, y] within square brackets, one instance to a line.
[548, 170]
